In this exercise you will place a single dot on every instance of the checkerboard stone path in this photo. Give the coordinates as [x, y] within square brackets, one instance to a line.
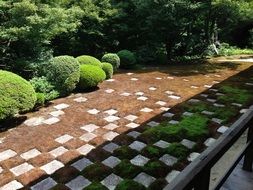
[68, 158]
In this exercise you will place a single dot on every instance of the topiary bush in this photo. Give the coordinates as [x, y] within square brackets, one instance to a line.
[90, 76]
[108, 69]
[89, 60]
[16, 95]
[127, 58]
[112, 58]
[63, 72]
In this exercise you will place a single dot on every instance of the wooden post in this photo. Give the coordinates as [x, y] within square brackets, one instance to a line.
[248, 158]
[203, 180]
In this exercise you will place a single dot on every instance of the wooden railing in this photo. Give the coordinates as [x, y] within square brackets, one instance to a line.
[197, 175]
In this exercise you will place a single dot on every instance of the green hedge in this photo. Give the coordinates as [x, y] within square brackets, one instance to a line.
[90, 76]
[127, 58]
[112, 58]
[108, 69]
[16, 95]
[88, 60]
[63, 73]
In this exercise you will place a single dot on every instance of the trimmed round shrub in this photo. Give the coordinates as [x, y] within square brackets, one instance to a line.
[112, 58]
[127, 58]
[90, 76]
[108, 69]
[63, 73]
[88, 60]
[16, 95]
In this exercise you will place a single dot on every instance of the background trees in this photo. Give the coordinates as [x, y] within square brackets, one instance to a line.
[156, 30]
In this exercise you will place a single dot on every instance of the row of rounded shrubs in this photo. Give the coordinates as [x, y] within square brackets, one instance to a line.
[58, 77]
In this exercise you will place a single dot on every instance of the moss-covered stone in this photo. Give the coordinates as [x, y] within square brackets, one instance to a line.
[126, 170]
[156, 169]
[151, 152]
[129, 185]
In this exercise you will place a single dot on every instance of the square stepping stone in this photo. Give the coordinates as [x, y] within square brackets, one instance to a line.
[61, 106]
[161, 103]
[80, 99]
[158, 78]
[213, 90]
[169, 92]
[13, 185]
[7, 154]
[51, 167]
[21, 169]
[216, 120]
[110, 135]
[51, 121]
[219, 94]
[187, 114]
[193, 100]
[168, 114]
[146, 110]
[111, 126]
[216, 82]
[171, 78]
[35, 121]
[30, 154]
[204, 95]
[168, 160]
[134, 134]
[207, 113]
[153, 124]
[186, 80]
[193, 156]
[78, 183]
[217, 76]
[208, 86]
[1, 169]
[142, 98]
[194, 87]
[111, 147]
[219, 105]
[93, 111]
[111, 112]
[237, 105]
[45, 184]
[111, 161]
[222, 129]
[57, 113]
[63, 139]
[110, 80]
[164, 109]
[139, 160]
[125, 94]
[111, 181]
[249, 84]
[111, 118]
[85, 149]
[88, 137]
[243, 110]
[131, 117]
[144, 179]
[58, 151]
[137, 145]
[173, 122]
[139, 93]
[187, 143]
[172, 175]
[211, 100]
[130, 74]
[82, 164]
[90, 127]
[134, 79]
[210, 142]
[162, 144]
[152, 88]
[109, 91]
[132, 125]
[174, 97]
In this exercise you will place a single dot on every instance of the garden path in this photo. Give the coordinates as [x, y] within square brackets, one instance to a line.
[72, 127]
